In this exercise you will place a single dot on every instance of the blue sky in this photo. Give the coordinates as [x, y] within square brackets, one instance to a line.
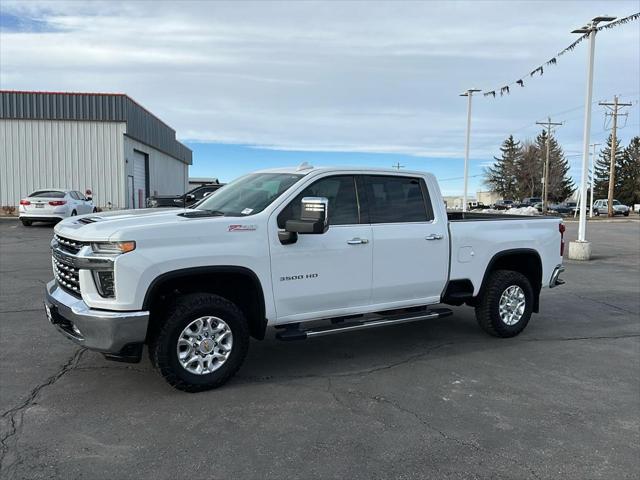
[251, 85]
[240, 159]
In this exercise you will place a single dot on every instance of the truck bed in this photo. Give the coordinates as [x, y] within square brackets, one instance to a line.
[477, 237]
[477, 216]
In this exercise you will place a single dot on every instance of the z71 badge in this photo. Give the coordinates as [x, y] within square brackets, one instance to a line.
[242, 228]
[299, 277]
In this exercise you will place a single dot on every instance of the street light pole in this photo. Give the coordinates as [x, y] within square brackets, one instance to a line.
[593, 160]
[469, 94]
[581, 250]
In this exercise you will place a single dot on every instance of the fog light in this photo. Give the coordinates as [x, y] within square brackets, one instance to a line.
[104, 283]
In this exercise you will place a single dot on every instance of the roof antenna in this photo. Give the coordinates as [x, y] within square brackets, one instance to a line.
[304, 166]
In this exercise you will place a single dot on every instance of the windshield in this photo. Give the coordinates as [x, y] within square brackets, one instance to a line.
[615, 202]
[250, 194]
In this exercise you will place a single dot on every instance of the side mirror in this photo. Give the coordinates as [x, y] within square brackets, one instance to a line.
[88, 199]
[314, 217]
[191, 197]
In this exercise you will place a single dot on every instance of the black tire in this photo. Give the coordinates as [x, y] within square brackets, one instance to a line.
[626, 214]
[74, 213]
[95, 209]
[182, 311]
[27, 223]
[487, 310]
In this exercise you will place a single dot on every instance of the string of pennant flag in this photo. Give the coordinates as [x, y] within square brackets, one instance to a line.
[539, 71]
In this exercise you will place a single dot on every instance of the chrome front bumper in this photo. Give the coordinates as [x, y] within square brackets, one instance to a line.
[105, 331]
[555, 277]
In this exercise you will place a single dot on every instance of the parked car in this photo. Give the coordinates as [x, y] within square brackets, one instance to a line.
[477, 206]
[52, 205]
[188, 199]
[601, 207]
[503, 204]
[310, 251]
[566, 208]
[530, 201]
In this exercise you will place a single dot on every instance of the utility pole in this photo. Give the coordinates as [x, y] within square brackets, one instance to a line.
[545, 174]
[469, 94]
[613, 107]
[593, 160]
[581, 249]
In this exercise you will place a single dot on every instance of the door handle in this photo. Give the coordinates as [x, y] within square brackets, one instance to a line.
[357, 241]
[433, 236]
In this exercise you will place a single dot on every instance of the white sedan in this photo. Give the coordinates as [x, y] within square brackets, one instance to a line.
[52, 205]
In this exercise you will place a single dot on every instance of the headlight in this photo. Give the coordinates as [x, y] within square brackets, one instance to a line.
[113, 248]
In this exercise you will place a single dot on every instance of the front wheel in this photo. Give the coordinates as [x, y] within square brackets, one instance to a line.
[506, 304]
[26, 223]
[626, 214]
[202, 342]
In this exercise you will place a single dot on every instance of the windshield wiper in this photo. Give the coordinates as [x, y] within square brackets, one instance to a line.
[196, 213]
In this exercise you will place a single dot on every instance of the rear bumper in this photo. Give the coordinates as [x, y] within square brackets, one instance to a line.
[555, 277]
[104, 331]
[53, 217]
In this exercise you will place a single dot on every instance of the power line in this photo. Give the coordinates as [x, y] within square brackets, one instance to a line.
[545, 176]
[613, 108]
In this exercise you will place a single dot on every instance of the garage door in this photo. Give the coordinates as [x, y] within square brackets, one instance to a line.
[139, 179]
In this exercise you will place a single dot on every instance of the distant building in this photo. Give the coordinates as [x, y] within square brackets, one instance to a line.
[488, 198]
[103, 142]
[454, 202]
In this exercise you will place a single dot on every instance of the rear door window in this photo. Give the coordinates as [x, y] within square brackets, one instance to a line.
[393, 199]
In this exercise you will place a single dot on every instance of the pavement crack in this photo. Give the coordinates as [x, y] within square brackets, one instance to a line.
[445, 436]
[607, 304]
[573, 339]
[15, 415]
[354, 373]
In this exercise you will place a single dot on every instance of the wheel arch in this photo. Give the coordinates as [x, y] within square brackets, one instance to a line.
[240, 285]
[523, 260]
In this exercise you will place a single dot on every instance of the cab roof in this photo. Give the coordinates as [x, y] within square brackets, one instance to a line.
[306, 168]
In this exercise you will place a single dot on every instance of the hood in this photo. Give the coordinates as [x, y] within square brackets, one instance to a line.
[105, 226]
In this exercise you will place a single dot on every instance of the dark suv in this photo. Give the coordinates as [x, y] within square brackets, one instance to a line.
[186, 200]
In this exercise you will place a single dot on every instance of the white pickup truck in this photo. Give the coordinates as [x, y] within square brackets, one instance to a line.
[309, 251]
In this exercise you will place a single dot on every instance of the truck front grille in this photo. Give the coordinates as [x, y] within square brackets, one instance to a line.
[68, 245]
[64, 271]
[66, 276]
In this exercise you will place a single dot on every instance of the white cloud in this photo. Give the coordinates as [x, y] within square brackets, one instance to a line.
[330, 76]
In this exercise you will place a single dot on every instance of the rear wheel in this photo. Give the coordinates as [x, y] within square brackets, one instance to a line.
[26, 223]
[74, 213]
[202, 342]
[506, 305]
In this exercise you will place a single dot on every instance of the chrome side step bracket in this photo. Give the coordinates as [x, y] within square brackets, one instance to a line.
[294, 332]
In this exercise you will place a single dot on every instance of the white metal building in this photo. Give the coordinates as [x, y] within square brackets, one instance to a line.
[107, 143]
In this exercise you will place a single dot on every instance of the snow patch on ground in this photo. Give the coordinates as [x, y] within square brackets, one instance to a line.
[531, 211]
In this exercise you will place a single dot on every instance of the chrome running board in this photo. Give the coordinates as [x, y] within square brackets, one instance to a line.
[294, 332]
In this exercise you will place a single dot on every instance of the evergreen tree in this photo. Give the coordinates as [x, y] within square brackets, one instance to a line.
[502, 175]
[529, 172]
[601, 170]
[629, 190]
[560, 183]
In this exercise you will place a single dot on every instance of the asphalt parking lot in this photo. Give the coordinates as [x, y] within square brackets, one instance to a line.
[437, 399]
